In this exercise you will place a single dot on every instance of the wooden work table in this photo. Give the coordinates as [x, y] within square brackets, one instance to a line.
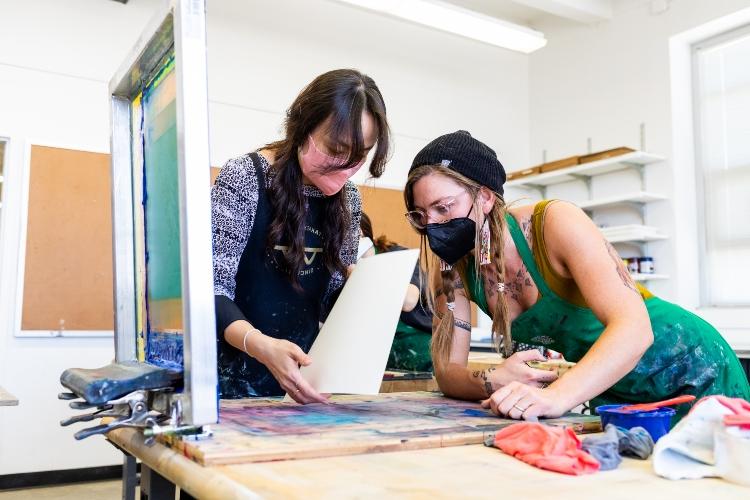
[472, 471]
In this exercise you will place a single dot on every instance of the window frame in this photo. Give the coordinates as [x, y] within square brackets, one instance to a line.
[704, 294]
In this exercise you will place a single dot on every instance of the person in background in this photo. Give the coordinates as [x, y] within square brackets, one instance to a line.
[285, 222]
[411, 344]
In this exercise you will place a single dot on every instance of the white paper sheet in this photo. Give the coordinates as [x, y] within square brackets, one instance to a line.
[351, 351]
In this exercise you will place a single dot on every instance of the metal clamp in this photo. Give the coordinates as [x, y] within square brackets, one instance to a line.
[130, 410]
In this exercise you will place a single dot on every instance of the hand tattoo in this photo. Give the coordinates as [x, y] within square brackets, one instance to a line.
[484, 375]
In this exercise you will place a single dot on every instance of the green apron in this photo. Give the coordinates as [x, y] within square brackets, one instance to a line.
[410, 350]
[688, 355]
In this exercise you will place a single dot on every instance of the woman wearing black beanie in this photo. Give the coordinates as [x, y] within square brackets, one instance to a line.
[548, 279]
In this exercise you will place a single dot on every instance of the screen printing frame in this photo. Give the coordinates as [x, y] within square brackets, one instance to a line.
[179, 25]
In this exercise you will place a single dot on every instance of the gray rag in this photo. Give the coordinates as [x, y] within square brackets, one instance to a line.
[604, 448]
[635, 442]
[616, 442]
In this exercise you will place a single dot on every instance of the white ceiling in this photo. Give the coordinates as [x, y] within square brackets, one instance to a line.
[532, 12]
[507, 10]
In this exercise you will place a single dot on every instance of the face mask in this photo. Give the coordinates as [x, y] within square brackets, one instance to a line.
[453, 239]
[316, 165]
[365, 244]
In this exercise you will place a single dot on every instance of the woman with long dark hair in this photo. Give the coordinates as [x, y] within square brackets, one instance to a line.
[285, 232]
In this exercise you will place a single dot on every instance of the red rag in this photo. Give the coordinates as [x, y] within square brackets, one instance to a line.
[741, 409]
[552, 448]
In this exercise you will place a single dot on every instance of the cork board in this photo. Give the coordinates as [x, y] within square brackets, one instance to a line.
[68, 269]
[386, 209]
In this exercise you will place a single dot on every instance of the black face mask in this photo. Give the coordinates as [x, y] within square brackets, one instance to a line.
[452, 239]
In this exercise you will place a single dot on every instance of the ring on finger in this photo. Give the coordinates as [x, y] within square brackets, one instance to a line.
[519, 409]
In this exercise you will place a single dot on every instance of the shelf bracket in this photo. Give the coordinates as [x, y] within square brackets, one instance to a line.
[586, 179]
[539, 187]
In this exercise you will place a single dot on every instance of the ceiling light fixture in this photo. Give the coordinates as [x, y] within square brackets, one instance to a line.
[445, 16]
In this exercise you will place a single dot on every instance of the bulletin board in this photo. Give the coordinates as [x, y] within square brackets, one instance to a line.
[68, 265]
[386, 210]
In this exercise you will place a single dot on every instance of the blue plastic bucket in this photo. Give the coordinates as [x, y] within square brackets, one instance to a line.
[656, 422]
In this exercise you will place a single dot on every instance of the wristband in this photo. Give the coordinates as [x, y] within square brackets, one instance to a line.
[244, 340]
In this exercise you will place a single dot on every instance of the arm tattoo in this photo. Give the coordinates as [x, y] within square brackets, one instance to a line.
[625, 276]
[526, 228]
[463, 325]
[484, 376]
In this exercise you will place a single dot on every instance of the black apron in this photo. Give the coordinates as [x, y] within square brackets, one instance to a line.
[269, 301]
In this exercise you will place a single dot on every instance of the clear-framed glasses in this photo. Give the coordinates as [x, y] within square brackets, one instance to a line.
[439, 211]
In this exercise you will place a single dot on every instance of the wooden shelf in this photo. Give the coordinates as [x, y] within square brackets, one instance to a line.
[639, 197]
[649, 277]
[622, 162]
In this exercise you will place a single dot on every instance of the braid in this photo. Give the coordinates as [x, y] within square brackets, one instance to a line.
[500, 317]
[442, 337]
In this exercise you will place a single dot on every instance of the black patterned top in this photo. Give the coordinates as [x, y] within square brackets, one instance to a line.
[234, 203]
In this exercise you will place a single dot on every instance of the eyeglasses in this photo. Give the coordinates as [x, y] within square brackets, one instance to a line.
[437, 212]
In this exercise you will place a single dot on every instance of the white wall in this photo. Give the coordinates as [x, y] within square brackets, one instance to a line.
[56, 58]
[262, 53]
[603, 81]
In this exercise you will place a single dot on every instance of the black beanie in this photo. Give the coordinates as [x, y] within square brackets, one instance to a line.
[460, 152]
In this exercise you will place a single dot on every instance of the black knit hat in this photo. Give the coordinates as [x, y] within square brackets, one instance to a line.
[460, 152]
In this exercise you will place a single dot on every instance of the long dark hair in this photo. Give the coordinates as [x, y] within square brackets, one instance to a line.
[341, 95]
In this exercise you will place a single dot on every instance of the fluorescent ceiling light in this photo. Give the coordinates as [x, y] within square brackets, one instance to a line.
[445, 16]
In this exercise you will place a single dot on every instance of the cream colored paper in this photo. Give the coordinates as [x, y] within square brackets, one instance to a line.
[351, 351]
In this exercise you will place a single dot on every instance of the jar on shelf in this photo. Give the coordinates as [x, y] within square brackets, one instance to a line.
[646, 265]
[632, 264]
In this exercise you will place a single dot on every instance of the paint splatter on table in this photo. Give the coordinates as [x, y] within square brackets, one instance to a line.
[261, 430]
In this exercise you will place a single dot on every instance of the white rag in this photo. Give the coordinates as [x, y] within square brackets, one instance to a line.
[689, 451]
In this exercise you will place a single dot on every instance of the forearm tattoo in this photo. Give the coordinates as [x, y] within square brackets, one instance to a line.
[483, 375]
[625, 276]
[463, 325]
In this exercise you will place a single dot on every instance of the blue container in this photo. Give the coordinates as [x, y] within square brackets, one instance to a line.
[656, 422]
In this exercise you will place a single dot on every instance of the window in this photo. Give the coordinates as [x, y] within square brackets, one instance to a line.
[2, 165]
[722, 138]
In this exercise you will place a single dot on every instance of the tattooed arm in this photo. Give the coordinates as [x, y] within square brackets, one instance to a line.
[457, 381]
[576, 250]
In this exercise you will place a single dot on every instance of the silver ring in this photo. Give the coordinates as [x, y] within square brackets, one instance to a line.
[519, 409]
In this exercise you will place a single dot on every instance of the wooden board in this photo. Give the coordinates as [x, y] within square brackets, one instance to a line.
[401, 381]
[68, 272]
[609, 153]
[558, 164]
[262, 430]
[523, 173]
